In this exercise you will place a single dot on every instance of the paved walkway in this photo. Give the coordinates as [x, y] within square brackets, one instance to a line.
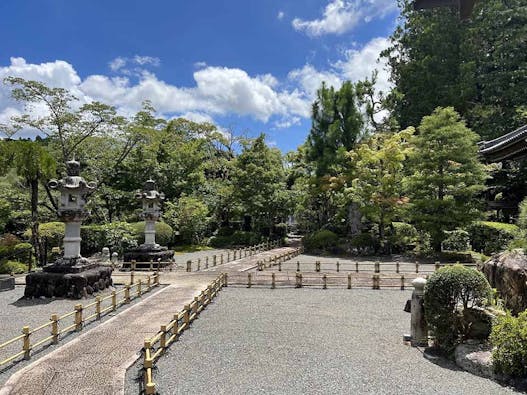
[96, 361]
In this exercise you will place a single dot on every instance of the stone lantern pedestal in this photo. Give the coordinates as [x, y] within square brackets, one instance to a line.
[71, 275]
[149, 254]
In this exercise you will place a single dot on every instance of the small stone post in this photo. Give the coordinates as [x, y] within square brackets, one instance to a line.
[418, 326]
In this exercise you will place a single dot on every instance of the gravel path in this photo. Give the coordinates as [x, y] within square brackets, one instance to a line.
[296, 341]
[16, 312]
[182, 258]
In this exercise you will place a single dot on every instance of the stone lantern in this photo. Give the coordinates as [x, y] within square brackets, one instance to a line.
[151, 200]
[149, 253]
[71, 275]
[74, 192]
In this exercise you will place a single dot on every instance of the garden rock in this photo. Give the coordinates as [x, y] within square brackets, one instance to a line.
[475, 357]
[507, 272]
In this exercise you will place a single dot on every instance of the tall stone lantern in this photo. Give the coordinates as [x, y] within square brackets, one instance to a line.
[151, 200]
[74, 192]
[150, 253]
[71, 275]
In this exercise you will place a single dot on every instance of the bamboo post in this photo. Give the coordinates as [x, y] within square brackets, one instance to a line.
[437, 265]
[156, 279]
[150, 387]
[199, 264]
[297, 266]
[279, 266]
[349, 280]
[376, 281]
[189, 266]
[356, 266]
[133, 265]
[298, 280]
[78, 317]
[377, 267]
[186, 314]
[98, 306]
[249, 280]
[338, 266]
[148, 282]
[402, 282]
[214, 260]
[127, 293]
[260, 266]
[273, 281]
[225, 280]
[55, 328]
[221, 259]
[317, 266]
[417, 267]
[132, 277]
[163, 338]
[397, 267]
[114, 300]
[324, 281]
[26, 343]
[139, 288]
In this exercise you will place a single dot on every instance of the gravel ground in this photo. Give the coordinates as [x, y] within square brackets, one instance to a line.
[16, 312]
[288, 341]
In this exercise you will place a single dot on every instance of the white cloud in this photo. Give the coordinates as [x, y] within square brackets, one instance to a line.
[310, 79]
[360, 63]
[280, 15]
[142, 60]
[341, 16]
[117, 63]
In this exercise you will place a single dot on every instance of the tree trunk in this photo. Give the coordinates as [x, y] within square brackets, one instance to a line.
[35, 239]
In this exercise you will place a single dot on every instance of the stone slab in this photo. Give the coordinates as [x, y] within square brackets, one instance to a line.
[7, 283]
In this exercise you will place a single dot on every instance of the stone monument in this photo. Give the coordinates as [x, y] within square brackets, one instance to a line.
[149, 251]
[71, 275]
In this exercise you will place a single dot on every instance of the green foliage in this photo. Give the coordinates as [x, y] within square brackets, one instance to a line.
[445, 175]
[456, 240]
[119, 236]
[190, 217]
[164, 233]
[51, 234]
[522, 215]
[365, 243]
[403, 236]
[12, 267]
[449, 292]
[509, 338]
[236, 239]
[377, 173]
[491, 237]
[321, 240]
[93, 239]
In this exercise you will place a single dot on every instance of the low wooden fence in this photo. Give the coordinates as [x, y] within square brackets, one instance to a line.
[229, 256]
[79, 317]
[168, 334]
[360, 267]
[299, 280]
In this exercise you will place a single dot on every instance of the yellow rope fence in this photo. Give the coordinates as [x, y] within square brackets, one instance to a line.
[79, 317]
[168, 334]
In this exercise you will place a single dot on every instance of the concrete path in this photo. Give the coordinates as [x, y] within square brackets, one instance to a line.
[96, 361]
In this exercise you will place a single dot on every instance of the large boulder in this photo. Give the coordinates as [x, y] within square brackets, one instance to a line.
[507, 272]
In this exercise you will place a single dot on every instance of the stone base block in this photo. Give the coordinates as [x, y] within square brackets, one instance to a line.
[72, 285]
[7, 283]
[139, 255]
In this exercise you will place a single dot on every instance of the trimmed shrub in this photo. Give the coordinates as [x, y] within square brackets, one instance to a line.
[93, 239]
[456, 240]
[164, 233]
[449, 293]
[14, 267]
[365, 243]
[280, 230]
[22, 251]
[220, 241]
[119, 236]
[243, 238]
[320, 240]
[404, 236]
[491, 237]
[509, 338]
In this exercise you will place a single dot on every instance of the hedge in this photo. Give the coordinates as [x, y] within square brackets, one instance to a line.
[164, 233]
[321, 240]
[491, 237]
[509, 338]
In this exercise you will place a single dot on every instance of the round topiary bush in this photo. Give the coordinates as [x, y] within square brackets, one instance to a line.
[509, 338]
[321, 240]
[12, 267]
[450, 293]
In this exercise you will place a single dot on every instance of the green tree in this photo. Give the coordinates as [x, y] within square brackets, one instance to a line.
[377, 175]
[445, 174]
[34, 164]
[189, 215]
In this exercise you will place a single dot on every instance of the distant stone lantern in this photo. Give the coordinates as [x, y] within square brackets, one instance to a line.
[151, 200]
[74, 192]
[149, 253]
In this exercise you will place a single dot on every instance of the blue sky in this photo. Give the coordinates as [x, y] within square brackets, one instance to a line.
[248, 66]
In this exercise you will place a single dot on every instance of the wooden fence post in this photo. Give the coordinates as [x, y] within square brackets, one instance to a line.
[55, 328]
[279, 266]
[273, 283]
[297, 266]
[199, 265]
[417, 267]
[133, 265]
[26, 342]
[132, 273]
[78, 317]
[114, 300]
[186, 314]
[189, 266]
[127, 293]
[317, 266]
[139, 288]
[151, 265]
[356, 266]
[402, 282]
[397, 267]
[98, 306]
[324, 281]
[338, 266]
[376, 281]
[349, 280]
[225, 280]
[437, 265]
[377, 267]
[206, 262]
[214, 260]
[228, 256]
[221, 259]
[298, 280]
[249, 280]
[163, 338]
